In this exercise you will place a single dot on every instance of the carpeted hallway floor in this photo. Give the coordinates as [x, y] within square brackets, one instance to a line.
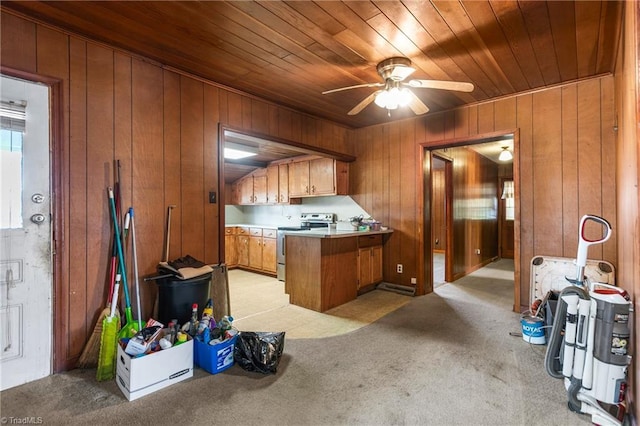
[446, 358]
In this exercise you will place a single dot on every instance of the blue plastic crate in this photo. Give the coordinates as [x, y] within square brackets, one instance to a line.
[214, 358]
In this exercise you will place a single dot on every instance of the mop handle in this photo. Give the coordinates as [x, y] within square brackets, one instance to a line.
[135, 266]
[114, 301]
[112, 204]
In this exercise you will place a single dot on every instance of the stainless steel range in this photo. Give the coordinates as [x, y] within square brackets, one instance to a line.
[308, 221]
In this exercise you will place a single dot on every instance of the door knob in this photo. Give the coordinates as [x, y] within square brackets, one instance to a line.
[37, 218]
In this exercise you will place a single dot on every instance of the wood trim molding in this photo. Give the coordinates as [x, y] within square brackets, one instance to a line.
[58, 207]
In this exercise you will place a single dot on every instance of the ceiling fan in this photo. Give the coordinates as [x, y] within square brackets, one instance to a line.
[396, 91]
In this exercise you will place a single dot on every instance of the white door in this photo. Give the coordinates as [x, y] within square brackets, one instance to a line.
[25, 234]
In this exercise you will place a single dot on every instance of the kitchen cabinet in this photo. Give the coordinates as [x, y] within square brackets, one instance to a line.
[254, 248]
[242, 245]
[320, 272]
[230, 250]
[252, 189]
[317, 177]
[273, 184]
[283, 183]
[327, 270]
[369, 260]
[269, 262]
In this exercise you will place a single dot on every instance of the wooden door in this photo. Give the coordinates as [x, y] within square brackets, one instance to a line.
[283, 183]
[242, 249]
[230, 251]
[255, 252]
[245, 190]
[376, 264]
[299, 179]
[260, 189]
[322, 176]
[273, 184]
[269, 254]
[364, 267]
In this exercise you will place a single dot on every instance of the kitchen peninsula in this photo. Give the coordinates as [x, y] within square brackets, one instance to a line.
[326, 268]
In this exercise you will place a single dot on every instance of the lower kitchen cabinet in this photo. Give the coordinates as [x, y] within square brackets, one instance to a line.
[369, 266]
[230, 251]
[321, 272]
[369, 260]
[242, 249]
[251, 248]
[269, 255]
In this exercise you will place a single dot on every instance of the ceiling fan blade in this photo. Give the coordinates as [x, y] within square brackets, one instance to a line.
[366, 101]
[442, 84]
[353, 87]
[416, 105]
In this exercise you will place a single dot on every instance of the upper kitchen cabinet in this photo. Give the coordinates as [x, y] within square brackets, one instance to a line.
[317, 177]
[267, 170]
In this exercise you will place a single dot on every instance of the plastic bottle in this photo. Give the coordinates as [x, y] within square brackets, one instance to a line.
[194, 320]
[181, 338]
[225, 323]
[207, 318]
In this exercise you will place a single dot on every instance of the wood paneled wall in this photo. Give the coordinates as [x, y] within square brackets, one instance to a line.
[627, 105]
[564, 168]
[163, 127]
[475, 214]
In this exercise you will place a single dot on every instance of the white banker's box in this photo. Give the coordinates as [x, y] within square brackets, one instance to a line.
[143, 375]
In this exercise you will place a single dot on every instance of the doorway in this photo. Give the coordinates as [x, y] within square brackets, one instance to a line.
[26, 255]
[475, 207]
[441, 226]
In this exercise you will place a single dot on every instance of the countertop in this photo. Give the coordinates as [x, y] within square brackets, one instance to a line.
[253, 225]
[332, 233]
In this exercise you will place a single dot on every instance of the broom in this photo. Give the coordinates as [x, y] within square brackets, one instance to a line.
[91, 351]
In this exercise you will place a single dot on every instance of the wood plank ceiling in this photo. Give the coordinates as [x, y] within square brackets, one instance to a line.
[290, 52]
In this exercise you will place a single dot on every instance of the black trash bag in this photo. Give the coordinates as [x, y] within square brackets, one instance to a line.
[259, 351]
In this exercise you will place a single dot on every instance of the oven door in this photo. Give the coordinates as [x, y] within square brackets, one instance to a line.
[280, 255]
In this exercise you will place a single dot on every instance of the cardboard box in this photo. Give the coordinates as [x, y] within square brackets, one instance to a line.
[140, 376]
[214, 358]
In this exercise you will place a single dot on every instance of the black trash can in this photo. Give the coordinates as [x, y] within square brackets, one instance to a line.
[176, 297]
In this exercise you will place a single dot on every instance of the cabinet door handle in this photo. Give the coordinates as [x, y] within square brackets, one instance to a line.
[313, 189]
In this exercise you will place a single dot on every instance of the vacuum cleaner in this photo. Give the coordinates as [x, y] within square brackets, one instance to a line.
[589, 341]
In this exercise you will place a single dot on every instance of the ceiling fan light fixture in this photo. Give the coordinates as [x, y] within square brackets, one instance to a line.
[393, 98]
[505, 155]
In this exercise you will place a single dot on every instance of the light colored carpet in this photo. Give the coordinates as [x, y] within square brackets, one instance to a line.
[446, 358]
[259, 303]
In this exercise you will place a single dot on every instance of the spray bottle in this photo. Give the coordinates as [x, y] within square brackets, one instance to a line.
[194, 320]
[207, 320]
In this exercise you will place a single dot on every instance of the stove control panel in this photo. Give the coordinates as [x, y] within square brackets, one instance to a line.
[318, 217]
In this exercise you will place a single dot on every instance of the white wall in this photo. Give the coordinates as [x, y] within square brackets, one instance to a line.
[343, 206]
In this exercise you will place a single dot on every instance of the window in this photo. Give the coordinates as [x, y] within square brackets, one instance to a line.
[12, 127]
[509, 200]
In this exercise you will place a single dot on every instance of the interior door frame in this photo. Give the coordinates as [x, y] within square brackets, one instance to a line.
[60, 307]
[448, 213]
[424, 181]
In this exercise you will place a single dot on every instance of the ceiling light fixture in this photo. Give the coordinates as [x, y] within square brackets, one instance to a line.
[236, 152]
[392, 97]
[505, 155]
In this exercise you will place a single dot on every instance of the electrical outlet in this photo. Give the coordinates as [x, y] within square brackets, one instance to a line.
[414, 281]
[399, 268]
[477, 251]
